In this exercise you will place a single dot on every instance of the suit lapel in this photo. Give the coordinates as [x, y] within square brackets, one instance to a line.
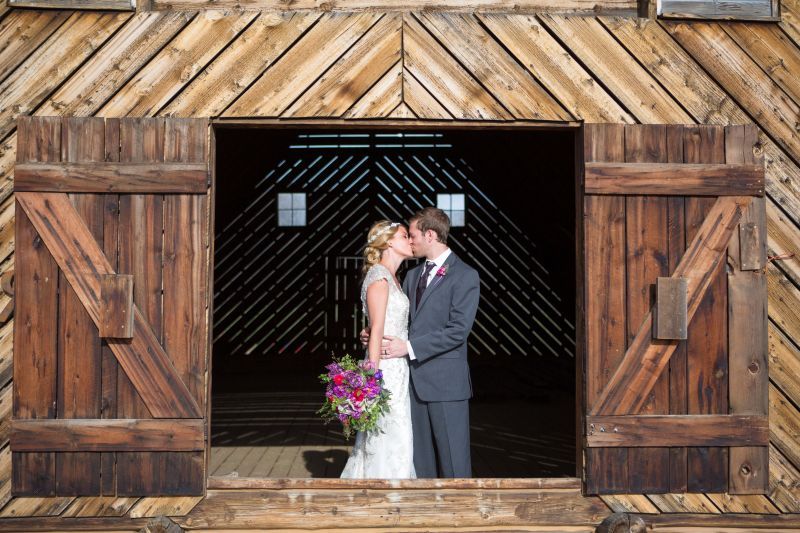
[436, 281]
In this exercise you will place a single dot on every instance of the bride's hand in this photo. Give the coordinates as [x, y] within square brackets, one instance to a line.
[364, 336]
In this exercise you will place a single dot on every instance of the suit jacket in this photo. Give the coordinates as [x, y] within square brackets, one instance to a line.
[439, 326]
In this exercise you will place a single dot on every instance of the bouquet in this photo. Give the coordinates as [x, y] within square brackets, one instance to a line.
[354, 395]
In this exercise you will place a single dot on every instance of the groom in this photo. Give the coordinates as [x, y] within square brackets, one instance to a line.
[443, 296]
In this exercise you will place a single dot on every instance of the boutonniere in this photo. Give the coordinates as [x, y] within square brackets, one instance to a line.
[442, 271]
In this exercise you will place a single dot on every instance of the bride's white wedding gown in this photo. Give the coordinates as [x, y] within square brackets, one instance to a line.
[387, 452]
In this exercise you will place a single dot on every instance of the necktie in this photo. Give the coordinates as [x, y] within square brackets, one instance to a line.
[423, 281]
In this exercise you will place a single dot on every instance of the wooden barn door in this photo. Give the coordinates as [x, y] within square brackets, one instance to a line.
[110, 337]
[675, 310]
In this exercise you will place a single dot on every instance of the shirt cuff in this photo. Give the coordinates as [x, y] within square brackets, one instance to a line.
[410, 351]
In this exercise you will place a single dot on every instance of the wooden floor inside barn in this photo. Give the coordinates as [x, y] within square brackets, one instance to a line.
[279, 435]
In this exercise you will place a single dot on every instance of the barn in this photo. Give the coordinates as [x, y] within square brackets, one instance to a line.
[186, 185]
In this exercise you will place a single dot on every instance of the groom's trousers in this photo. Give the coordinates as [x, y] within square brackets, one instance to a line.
[445, 424]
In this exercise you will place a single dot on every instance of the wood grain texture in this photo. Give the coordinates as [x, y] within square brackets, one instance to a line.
[106, 5]
[682, 179]
[111, 177]
[357, 6]
[677, 430]
[634, 377]
[143, 359]
[92, 435]
[21, 32]
[116, 306]
[669, 321]
[240, 63]
[605, 295]
[574, 87]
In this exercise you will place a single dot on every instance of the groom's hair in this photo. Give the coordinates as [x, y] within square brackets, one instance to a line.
[434, 219]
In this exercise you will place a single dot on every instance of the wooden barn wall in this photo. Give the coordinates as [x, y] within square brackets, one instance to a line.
[422, 65]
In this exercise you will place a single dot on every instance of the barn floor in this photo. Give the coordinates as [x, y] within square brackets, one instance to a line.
[279, 435]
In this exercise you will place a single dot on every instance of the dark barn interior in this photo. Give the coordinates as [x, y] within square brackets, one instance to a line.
[292, 209]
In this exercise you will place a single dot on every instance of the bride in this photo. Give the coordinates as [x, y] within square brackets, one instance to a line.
[386, 452]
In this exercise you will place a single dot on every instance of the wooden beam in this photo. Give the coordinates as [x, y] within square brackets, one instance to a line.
[116, 306]
[82, 261]
[634, 377]
[238, 483]
[111, 5]
[675, 179]
[92, 435]
[150, 178]
[677, 430]
[670, 320]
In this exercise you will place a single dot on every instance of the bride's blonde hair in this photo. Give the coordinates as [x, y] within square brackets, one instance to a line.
[377, 241]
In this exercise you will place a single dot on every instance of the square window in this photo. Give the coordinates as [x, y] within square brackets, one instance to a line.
[456, 218]
[457, 202]
[291, 209]
[453, 205]
[443, 201]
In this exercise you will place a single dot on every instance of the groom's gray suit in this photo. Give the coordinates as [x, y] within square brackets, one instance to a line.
[440, 383]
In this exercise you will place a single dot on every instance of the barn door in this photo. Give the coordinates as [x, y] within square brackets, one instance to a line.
[110, 337]
[675, 311]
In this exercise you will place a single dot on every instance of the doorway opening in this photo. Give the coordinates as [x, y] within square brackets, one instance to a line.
[292, 210]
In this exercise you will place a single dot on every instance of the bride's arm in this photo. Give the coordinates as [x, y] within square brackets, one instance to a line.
[377, 300]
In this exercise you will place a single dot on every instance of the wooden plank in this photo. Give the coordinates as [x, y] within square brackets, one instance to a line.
[382, 97]
[35, 334]
[398, 508]
[66, 49]
[783, 241]
[731, 503]
[555, 69]
[144, 360]
[784, 302]
[301, 65]
[174, 66]
[784, 425]
[21, 33]
[185, 271]
[112, 177]
[97, 506]
[636, 89]
[676, 70]
[116, 306]
[241, 63]
[420, 101]
[108, 5]
[683, 179]
[109, 366]
[625, 6]
[629, 503]
[752, 88]
[265, 483]
[443, 76]
[35, 507]
[636, 374]
[784, 490]
[149, 507]
[772, 50]
[497, 71]
[92, 435]
[677, 430]
[683, 503]
[707, 345]
[747, 323]
[124, 54]
[79, 347]
[670, 319]
[604, 251]
[646, 240]
[354, 73]
[784, 362]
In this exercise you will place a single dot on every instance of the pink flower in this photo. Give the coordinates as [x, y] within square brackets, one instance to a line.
[442, 271]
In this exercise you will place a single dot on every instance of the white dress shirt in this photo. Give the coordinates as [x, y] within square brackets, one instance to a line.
[439, 262]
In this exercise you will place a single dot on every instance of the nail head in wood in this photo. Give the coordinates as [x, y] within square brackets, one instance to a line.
[116, 306]
[671, 309]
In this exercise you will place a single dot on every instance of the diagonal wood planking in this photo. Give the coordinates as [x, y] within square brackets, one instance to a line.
[382, 98]
[354, 72]
[441, 74]
[302, 64]
[175, 65]
[493, 67]
[240, 63]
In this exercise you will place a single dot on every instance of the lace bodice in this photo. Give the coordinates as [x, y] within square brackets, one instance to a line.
[396, 323]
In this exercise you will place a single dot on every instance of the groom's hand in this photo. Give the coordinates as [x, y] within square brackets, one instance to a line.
[364, 336]
[392, 347]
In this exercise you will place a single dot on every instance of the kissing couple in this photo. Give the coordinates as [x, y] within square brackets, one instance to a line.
[417, 336]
